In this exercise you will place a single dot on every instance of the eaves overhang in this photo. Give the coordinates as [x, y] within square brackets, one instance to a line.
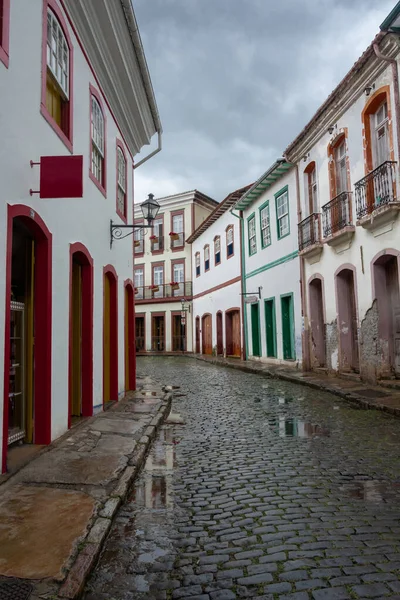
[392, 21]
[275, 172]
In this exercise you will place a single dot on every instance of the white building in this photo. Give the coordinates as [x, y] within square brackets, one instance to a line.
[217, 300]
[87, 106]
[271, 274]
[347, 160]
[163, 273]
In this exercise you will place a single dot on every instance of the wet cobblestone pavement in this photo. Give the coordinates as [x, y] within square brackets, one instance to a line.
[270, 490]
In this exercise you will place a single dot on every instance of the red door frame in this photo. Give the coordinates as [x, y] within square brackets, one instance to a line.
[42, 323]
[81, 254]
[111, 274]
[131, 333]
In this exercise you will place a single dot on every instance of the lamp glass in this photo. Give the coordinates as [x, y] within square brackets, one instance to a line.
[150, 208]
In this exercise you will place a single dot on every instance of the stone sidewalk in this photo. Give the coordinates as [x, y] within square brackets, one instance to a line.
[351, 389]
[56, 511]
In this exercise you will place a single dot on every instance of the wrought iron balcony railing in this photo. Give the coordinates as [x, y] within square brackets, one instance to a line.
[310, 231]
[337, 214]
[180, 241]
[165, 290]
[157, 245]
[376, 189]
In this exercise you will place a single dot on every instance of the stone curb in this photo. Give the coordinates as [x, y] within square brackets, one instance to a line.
[352, 397]
[86, 558]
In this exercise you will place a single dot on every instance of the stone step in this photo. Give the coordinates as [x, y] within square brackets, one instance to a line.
[393, 384]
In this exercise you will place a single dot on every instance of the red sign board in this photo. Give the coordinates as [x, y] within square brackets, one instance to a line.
[61, 176]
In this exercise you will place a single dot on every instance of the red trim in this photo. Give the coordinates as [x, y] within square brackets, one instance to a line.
[102, 186]
[122, 216]
[110, 272]
[42, 323]
[218, 287]
[128, 285]
[5, 33]
[83, 256]
[66, 139]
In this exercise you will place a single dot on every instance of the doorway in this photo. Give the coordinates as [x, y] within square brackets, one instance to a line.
[287, 327]
[110, 336]
[347, 320]
[158, 332]
[130, 369]
[386, 282]
[207, 334]
[270, 327]
[220, 341]
[232, 333]
[140, 339]
[317, 324]
[178, 332]
[197, 335]
[255, 329]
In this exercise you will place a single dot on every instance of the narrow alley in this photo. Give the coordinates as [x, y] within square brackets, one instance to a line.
[269, 490]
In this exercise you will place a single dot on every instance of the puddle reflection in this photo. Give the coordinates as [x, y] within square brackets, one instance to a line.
[292, 427]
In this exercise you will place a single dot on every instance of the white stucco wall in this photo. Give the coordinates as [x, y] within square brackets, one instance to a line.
[27, 136]
[275, 268]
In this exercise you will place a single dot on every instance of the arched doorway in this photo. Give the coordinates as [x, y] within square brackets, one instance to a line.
[220, 340]
[206, 334]
[130, 348]
[197, 335]
[110, 335]
[385, 269]
[80, 333]
[232, 332]
[317, 323]
[347, 319]
[28, 315]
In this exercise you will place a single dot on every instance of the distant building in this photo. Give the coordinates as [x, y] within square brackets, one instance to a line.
[216, 258]
[163, 273]
[77, 105]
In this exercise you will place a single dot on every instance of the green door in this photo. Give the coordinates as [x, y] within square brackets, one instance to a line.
[255, 329]
[270, 327]
[287, 327]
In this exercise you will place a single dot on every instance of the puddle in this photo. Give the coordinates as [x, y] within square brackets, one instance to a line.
[372, 490]
[152, 492]
[292, 427]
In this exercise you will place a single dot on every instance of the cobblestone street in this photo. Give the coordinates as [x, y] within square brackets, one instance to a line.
[269, 490]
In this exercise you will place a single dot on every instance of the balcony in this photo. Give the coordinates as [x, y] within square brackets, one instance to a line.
[165, 291]
[310, 244]
[337, 222]
[179, 241]
[157, 245]
[376, 199]
[138, 246]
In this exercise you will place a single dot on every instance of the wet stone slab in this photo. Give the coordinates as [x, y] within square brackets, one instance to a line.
[269, 490]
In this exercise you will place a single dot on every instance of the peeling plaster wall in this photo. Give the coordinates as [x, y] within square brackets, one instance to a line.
[374, 351]
[332, 345]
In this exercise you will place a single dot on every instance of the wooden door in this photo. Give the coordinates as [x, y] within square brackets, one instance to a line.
[207, 335]
[236, 346]
[270, 327]
[106, 341]
[255, 329]
[139, 334]
[76, 383]
[287, 327]
[220, 343]
[197, 335]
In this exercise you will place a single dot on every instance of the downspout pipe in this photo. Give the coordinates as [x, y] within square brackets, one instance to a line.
[395, 73]
[156, 151]
[242, 283]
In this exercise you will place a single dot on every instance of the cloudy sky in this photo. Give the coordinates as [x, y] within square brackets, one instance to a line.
[236, 80]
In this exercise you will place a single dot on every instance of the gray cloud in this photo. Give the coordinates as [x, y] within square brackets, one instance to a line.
[236, 80]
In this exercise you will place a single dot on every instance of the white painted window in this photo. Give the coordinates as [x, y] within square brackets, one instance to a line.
[217, 250]
[139, 282]
[121, 200]
[97, 141]
[282, 214]
[252, 235]
[138, 237]
[381, 142]
[158, 231]
[57, 53]
[312, 191]
[206, 257]
[178, 275]
[197, 264]
[265, 227]
[177, 227]
[340, 168]
[229, 241]
[158, 275]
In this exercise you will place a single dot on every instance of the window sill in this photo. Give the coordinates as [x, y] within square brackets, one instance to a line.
[283, 237]
[4, 58]
[98, 184]
[46, 115]
[230, 256]
[122, 217]
[155, 252]
[177, 248]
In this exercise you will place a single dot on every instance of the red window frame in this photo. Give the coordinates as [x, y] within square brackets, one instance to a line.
[102, 186]
[120, 146]
[66, 138]
[5, 32]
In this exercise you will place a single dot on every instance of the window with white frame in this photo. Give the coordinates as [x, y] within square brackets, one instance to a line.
[197, 264]
[282, 214]
[157, 243]
[98, 141]
[177, 227]
[138, 243]
[139, 281]
[252, 235]
[178, 276]
[229, 241]
[265, 226]
[121, 183]
[217, 250]
[312, 191]
[158, 280]
[57, 53]
[206, 257]
[381, 142]
[340, 168]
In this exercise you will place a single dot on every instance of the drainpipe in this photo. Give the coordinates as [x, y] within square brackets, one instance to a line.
[156, 151]
[243, 283]
[303, 292]
[395, 72]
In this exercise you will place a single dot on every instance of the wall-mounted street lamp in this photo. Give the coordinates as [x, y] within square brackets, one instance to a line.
[185, 308]
[150, 208]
